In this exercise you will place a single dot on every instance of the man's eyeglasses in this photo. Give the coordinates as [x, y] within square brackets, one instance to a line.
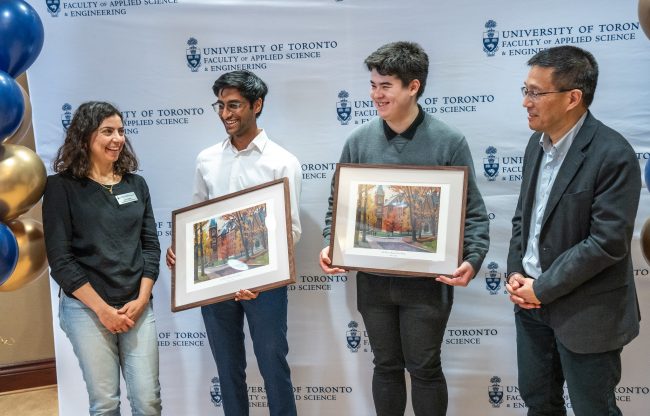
[534, 95]
[232, 106]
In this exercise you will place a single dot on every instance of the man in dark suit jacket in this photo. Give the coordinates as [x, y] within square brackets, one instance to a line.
[570, 271]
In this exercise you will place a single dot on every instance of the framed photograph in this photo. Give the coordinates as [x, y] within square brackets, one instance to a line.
[397, 219]
[238, 241]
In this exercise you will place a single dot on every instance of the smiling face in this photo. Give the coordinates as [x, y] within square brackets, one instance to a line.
[393, 100]
[107, 142]
[238, 115]
[550, 113]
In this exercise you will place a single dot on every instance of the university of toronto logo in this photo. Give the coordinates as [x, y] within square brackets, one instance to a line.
[53, 7]
[490, 38]
[343, 109]
[491, 164]
[215, 392]
[192, 55]
[493, 278]
[66, 116]
[495, 392]
[352, 336]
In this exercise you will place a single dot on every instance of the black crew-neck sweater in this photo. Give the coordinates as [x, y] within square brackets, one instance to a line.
[91, 237]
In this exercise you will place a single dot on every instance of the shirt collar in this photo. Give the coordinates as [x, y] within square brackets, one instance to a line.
[408, 133]
[258, 143]
[562, 146]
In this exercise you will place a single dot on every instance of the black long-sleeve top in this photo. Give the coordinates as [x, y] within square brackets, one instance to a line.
[91, 238]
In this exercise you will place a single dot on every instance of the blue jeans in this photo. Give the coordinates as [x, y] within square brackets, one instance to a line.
[102, 354]
[544, 364]
[267, 321]
[405, 318]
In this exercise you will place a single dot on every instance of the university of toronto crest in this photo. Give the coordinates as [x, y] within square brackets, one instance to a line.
[493, 278]
[343, 109]
[495, 392]
[352, 336]
[53, 7]
[215, 392]
[192, 55]
[490, 38]
[491, 164]
[66, 116]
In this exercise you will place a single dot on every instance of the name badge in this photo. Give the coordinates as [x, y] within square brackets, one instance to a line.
[126, 198]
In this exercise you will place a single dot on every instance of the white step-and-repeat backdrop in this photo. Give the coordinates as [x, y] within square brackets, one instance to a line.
[310, 52]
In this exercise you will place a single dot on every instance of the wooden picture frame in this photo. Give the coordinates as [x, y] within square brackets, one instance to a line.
[237, 241]
[398, 219]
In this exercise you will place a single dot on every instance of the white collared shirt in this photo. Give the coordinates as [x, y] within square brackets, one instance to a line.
[552, 160]
[222, 169]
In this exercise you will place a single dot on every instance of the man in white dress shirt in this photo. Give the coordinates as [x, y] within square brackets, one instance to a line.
[244, 159]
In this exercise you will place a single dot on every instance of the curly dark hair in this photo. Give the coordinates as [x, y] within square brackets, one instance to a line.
[73, 156]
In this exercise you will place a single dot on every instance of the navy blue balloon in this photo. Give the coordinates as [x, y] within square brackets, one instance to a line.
[8, 253]
[12, 105]
[21, 36]
[647, 175]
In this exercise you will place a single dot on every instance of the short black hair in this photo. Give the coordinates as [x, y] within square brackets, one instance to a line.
[404, 60]
[249, 85]
[573, 67]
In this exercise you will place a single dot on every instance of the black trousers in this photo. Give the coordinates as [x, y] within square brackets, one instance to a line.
[544, 365]
[405, 318]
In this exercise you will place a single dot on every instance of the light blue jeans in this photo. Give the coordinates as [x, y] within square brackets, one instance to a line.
[102, 354]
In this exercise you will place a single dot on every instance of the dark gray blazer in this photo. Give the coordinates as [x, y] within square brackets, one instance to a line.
[587, 283]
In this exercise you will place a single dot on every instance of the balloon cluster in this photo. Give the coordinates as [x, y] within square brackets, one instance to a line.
[22, 173]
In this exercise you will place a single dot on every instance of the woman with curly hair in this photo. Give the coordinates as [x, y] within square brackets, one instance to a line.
[104, 253]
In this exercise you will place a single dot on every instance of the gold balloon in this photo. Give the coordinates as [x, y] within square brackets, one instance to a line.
[22, 180]
[644, 16]
[32, 259]
[26, 124]
[645, 240]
